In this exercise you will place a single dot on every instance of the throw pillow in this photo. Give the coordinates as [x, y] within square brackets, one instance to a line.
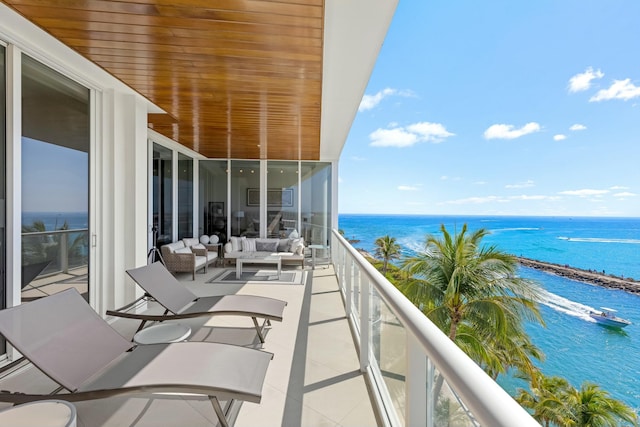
[283, 245]
[198, 246]
[235, 244]
[213, 239]
[294, 234]
[248, 245]
[267, 245]
[182, 251]
[204, 239]
[297, 246]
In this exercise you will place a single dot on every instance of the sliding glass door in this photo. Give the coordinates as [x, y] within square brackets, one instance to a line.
[3, 221]
[55, 182]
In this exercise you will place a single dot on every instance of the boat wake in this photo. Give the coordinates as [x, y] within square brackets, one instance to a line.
[599, 240]
[566, 306]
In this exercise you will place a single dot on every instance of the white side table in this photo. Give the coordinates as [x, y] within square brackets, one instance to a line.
[162, 333]
[314, 248]
[43, 413]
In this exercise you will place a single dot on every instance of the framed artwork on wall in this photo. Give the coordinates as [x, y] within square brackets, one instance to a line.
[280, 197]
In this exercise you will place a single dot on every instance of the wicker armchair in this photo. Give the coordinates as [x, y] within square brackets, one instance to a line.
[181, 258]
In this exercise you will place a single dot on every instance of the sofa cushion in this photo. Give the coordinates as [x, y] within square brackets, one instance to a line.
[235, 244]
[198, 246]
[267, 245]
[190, 241]
[182, 250]
[171, 247]
[297, 246]
[248, 245]
[283, 245]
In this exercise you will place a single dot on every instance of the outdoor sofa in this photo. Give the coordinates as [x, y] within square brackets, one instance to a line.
[291, 250]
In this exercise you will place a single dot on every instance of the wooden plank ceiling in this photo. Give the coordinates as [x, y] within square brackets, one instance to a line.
[239, 78]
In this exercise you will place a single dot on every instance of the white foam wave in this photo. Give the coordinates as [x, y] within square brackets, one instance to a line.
[566, 306]
[599, 240]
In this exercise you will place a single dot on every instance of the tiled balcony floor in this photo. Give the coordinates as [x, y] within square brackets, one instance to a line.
[313, 379]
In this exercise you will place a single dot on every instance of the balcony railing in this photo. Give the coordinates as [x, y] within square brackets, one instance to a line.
[407, 359]
[53, 261]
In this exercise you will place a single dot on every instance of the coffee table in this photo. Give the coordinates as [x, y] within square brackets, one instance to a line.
[270, 259]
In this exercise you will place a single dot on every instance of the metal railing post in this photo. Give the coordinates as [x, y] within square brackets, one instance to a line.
[365, 320]
[430, 398]
[348, 289]
[64, 252]
[416, 384]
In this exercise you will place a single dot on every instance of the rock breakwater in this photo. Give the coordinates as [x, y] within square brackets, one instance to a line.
[587, 276]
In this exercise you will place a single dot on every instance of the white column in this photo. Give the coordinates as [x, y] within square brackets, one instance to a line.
[13, 203]
[122, 239]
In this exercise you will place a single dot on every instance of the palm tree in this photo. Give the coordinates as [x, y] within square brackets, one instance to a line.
[471, 292]
[593, 407]
[554, 401]
[547, 400]
[387, 249]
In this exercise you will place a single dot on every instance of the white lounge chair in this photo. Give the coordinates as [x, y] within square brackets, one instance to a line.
[180, 303]
[67, 340]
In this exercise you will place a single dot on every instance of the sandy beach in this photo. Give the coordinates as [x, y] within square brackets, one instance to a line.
[587, 276]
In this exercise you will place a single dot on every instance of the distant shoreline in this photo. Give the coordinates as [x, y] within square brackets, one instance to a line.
[587, 276]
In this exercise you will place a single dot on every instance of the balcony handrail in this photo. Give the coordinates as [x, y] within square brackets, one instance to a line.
[489, 403]
[43, 233]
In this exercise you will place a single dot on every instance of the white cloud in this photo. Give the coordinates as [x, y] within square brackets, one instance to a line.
[534, 197]
[618, 187]
[409, 135]
[582, 81]
[392, 138]
[408, 188]
[526, 184]
[502, 131]
[587, 192]
[559, 137]
[370, 101]
[577, 126]
[625, 194]
[433, 132]
[475, 200]
[619, 89]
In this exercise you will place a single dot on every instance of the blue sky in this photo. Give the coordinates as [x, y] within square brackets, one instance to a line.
[54, 179]
[500, 108]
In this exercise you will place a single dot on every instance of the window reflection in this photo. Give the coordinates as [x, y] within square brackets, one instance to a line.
[55, 182]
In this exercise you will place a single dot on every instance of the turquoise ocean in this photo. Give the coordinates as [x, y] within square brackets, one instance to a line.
[575, 347]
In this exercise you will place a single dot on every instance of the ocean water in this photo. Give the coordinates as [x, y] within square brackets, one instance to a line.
[55, 220]
[575, 347]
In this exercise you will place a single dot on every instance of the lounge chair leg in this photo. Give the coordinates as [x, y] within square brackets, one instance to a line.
[258, 329]
[144, 322]
[219, 412]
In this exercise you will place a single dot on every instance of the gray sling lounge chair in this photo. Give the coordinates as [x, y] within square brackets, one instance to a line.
[180, 303]
[67, 340]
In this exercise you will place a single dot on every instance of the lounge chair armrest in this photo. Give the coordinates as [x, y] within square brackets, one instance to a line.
[131, 304]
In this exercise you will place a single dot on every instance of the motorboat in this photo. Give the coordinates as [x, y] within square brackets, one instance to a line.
[607, 317]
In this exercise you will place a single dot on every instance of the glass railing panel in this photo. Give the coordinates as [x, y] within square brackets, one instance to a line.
[388, 342]
[356, 290]
[53, 261]
[449, 409]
